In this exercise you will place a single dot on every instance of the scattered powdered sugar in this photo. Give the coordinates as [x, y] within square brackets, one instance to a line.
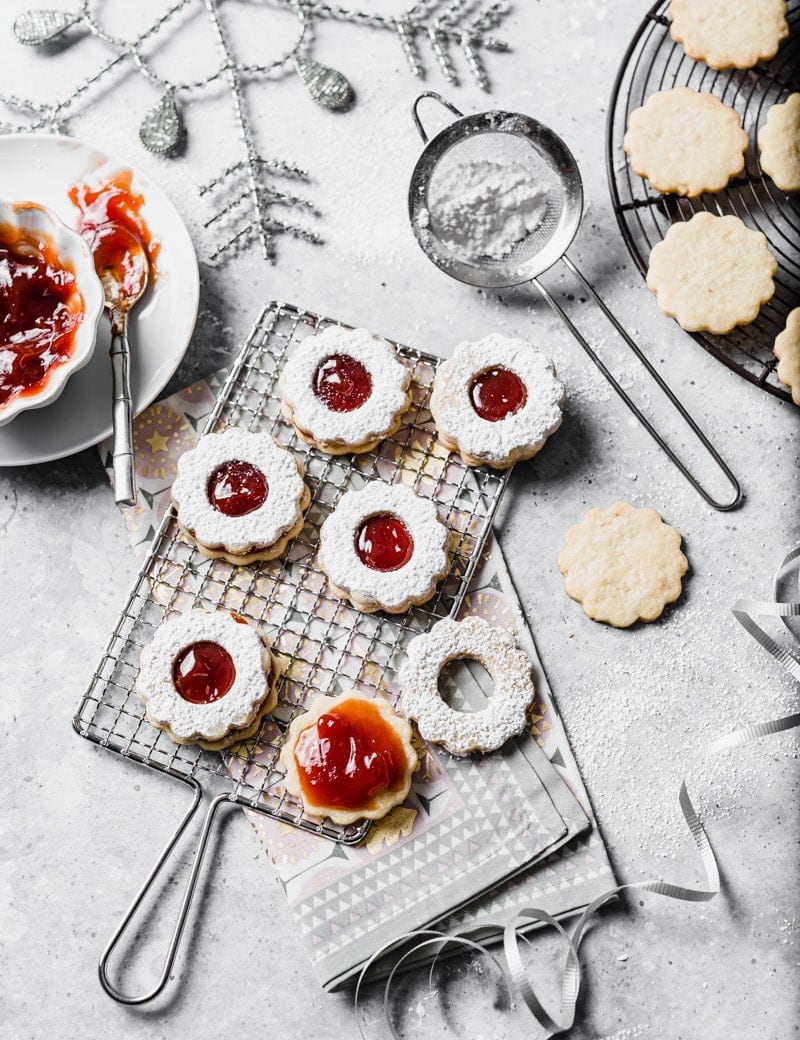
[238, 534]
[483, 208]
[390, 589]
[527, 429]
[459, 731]
[375, 417]
[186, 720]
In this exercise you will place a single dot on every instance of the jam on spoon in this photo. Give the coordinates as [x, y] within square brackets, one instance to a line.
[342, 383]
[348, 756]
[237, 488]
[384, 543]
[497, 393]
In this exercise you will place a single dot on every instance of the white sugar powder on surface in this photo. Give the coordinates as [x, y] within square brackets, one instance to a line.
[484, 208]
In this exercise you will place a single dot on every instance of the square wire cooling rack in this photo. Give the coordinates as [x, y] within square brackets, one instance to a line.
[326, 643]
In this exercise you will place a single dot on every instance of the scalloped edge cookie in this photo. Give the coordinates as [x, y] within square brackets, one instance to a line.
[685, 142]
[728, 35]
[779, 144]
[787, 351]
[622, 564]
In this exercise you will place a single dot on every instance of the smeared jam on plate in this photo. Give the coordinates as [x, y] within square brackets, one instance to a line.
[497, 393]
[237, 488]
[110, 217]
[342, 383]
[384, 543]
[203, 672]
[41, 309]
[348, 756]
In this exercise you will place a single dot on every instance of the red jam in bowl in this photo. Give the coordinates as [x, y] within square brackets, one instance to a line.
[203, 672]
[110, 219]
[348, 756]
[41, 310]
[237, 488]
[384, 543]
[497, 393]
[342, 383]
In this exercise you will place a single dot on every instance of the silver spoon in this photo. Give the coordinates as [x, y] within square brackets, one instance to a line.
[122, 265]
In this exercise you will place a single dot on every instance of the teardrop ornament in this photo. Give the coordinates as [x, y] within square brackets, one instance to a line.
[162, 128]
[327, 86]
[42, 25]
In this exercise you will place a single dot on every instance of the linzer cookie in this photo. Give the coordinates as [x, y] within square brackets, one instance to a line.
[779, 144]
[726, 34]
[685, 142]
[383, 548]
[622, 564]
[787, 351]
[462, 732]
[240, 496]
[349, 758]
[712, 273]
[496, 401]
[344, 390]
[207, 678]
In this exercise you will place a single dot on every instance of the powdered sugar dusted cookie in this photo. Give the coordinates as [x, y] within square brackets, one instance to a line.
[349, 758]
[726, 34]
[496, 401]
[240, 496]
[344, 390]
[787, 351]
[383, 548]
[685, 142]
[207, 678]
[712, 273]
[779, 144]
[462, 732]
[622, 564]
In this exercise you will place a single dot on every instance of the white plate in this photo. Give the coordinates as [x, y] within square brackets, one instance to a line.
[41, 168]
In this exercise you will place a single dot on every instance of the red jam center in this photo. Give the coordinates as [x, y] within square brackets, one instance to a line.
[497, 393]
[40, 312]
[111, 221]
[236, 488]
[203, 672]
[384, 543]
[350, 755]
[342, 383]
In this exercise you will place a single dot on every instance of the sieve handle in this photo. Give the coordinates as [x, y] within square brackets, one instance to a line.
[188, 895]
[738, 496]
[436, 97]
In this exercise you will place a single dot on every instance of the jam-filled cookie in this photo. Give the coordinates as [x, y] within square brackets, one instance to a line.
[207, 678]
[462, 732]
[383, 548]
[344, 390]
[240, 496]
[496, 401]
[349, 758]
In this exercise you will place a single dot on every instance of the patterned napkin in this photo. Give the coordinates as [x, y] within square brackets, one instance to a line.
[472, 844]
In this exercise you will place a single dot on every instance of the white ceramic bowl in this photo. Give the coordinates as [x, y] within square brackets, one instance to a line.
[74, 253]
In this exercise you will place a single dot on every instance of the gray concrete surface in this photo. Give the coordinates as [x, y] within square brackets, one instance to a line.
[79, 828]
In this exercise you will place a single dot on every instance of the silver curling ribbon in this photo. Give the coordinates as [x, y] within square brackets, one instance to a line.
[42, 25]
[162, 128]
[327, 86]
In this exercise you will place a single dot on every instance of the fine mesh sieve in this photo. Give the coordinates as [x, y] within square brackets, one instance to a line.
[510, 137]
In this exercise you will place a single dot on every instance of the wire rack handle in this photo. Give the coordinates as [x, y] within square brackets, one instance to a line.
[738, 496]
[423, 133]
[188, 895]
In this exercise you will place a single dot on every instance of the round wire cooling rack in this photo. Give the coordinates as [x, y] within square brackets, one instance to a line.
[652, 62]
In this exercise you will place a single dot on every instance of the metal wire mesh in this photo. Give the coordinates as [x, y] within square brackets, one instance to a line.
[326, 645]
[655, 62]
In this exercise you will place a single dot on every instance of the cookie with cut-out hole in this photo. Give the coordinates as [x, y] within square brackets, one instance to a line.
[685, 142]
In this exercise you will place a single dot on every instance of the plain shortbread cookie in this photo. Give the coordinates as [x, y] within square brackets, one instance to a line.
[729, 33]
[622, 564]
[787, 351]
[685, 142]
[779, 144]
[712, 273]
